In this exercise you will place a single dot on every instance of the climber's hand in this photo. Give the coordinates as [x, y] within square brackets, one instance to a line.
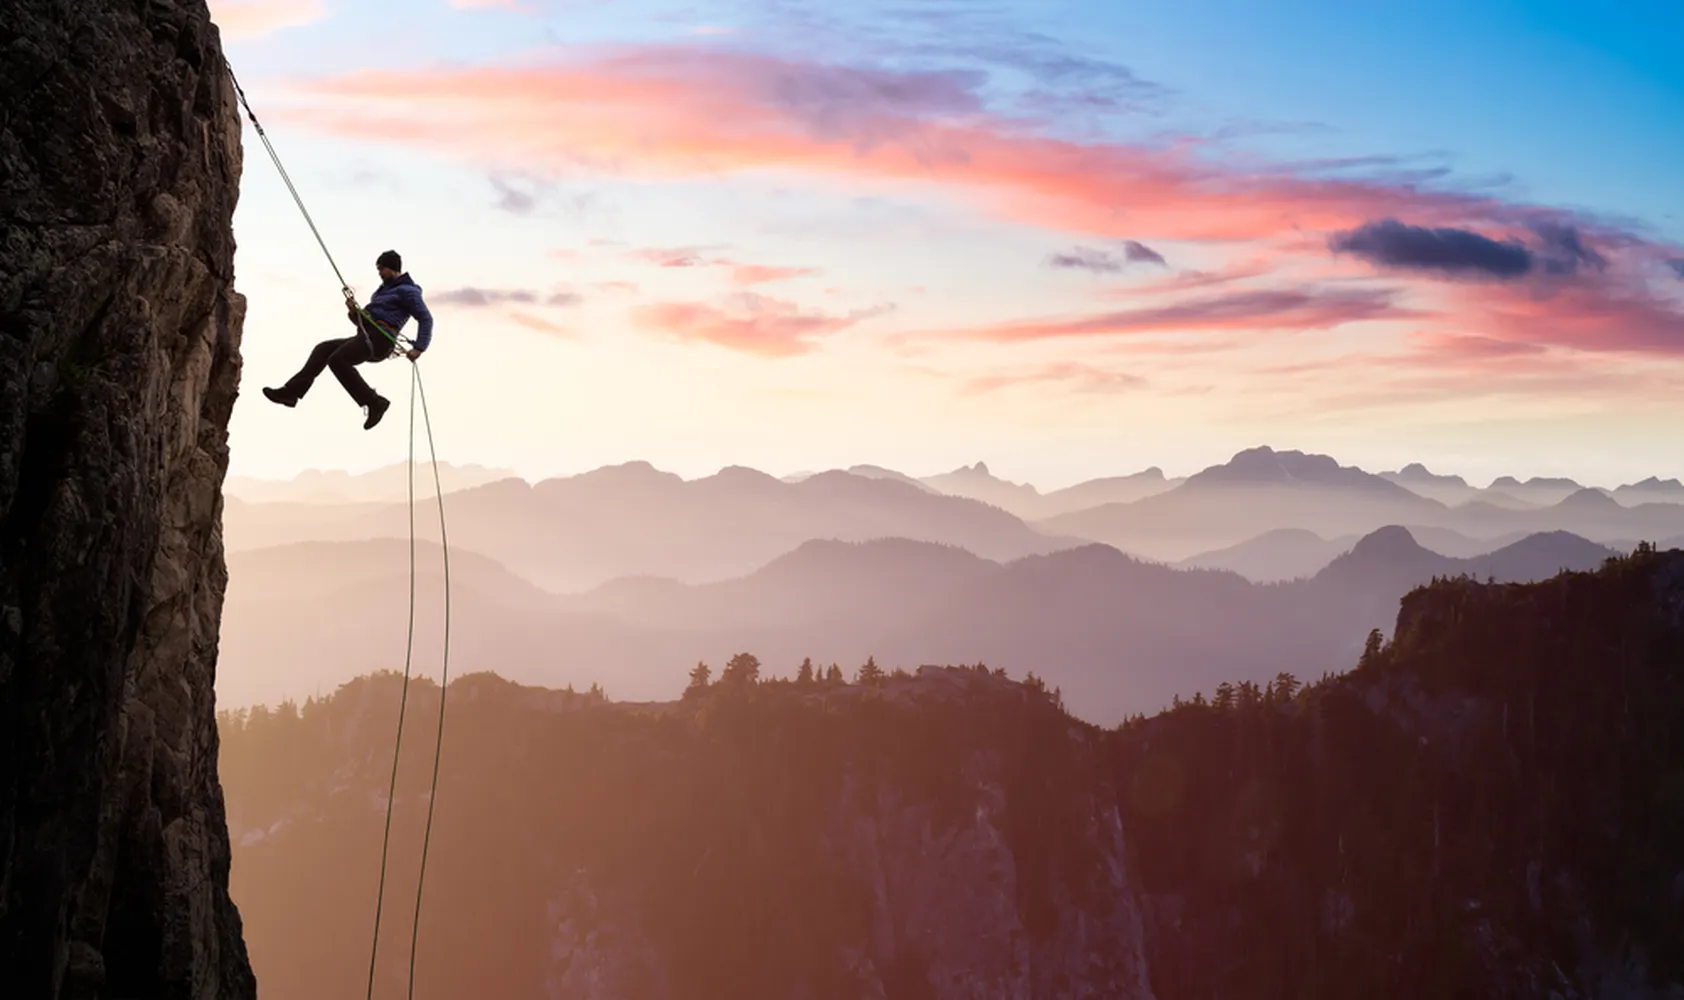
[412, 353]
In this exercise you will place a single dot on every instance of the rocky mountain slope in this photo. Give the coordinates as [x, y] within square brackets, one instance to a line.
[1488, 805]
[119, 362]
[953, 835]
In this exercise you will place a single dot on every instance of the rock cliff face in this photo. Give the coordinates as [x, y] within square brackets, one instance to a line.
[119, 364]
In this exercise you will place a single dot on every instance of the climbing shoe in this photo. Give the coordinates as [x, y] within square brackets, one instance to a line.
[376, 410]
[280, 396]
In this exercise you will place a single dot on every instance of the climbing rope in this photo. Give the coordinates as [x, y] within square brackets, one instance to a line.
[299, 201]
[416, 387]
[444, 675]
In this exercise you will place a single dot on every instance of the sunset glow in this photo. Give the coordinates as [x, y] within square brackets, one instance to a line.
[707, 237]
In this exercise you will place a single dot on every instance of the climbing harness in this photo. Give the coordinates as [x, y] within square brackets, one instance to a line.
[416, 388]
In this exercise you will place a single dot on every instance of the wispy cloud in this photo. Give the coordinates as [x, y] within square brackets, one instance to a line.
[678, 111]
[749, 322]
[687, 111]
[540, 324]
[243, 20]
[740, 273]
[761, 274]
[1264, 309]
[1462, 348]
[1188, 281]
[512, 199]
[668, 257]
[1071, 375]
[1591, 316]
[475, 298]
[1106, 261]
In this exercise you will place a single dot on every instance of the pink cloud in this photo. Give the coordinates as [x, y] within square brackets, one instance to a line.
[668, 257]
[1191, 280]
[756, 324]
[760, 274]
[1587, 315]
[1465, 348]
[1266, 309]
[539, 324]
[676, 111]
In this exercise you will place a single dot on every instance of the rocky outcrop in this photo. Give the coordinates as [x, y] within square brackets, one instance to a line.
[119, 365]
[1487, 807]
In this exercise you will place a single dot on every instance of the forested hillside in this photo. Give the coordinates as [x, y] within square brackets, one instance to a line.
[1489, 804]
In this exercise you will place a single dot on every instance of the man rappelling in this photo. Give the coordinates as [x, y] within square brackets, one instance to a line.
[395, 302]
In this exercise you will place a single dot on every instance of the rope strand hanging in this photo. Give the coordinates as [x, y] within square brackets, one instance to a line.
[416, 389]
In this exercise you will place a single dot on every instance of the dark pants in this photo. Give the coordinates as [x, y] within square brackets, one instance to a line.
[343, 355]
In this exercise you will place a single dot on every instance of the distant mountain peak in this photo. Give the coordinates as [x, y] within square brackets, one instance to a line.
[1264, 466]
[1657, 484]
[1390, 542]
[1415, 472]
[1536, 483]
[633, 471]
[1588, 498]
[743, 474]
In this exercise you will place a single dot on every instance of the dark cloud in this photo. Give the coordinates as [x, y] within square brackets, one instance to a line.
[1086, 259]
[1137, 251]
[1564, 250]
[1677, 264]
[1103, 261]
[1391, 243]
[1559, 250]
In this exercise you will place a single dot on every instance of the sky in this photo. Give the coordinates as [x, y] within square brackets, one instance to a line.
[1069, 239]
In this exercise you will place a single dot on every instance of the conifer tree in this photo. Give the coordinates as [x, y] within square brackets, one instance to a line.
[870, 674]
[699, 678]
[741, 670]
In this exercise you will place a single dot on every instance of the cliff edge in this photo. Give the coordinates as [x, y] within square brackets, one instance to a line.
[119, 366]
